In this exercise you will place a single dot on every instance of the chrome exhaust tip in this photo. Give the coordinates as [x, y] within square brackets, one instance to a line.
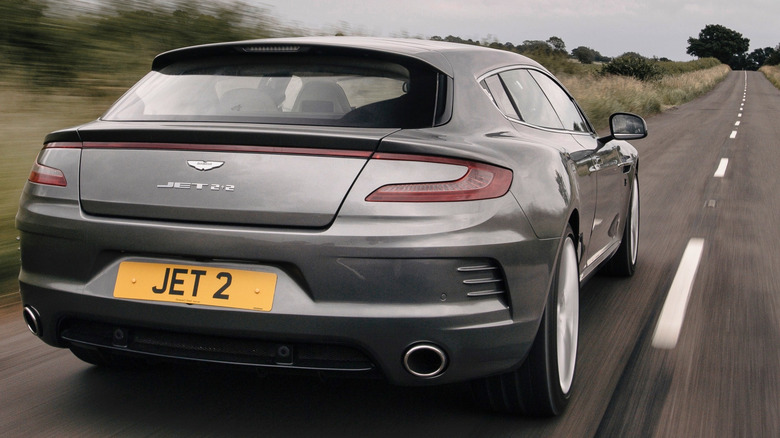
[425, 360]
[33, 320]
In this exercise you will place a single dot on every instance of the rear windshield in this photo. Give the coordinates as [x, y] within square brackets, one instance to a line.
[292, 89]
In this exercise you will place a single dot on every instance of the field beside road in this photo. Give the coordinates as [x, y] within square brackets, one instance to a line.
[26, 117]
[601, 96]
[772, 73]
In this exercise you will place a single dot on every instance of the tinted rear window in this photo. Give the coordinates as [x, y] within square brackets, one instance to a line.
[285, 89]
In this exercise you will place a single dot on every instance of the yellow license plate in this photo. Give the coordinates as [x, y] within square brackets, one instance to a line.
[196, 285]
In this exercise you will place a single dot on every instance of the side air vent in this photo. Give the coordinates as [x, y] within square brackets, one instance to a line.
[483, 279]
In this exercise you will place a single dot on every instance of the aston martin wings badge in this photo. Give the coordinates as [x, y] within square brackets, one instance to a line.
[205, 165]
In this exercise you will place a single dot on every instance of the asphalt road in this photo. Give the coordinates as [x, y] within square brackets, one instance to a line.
[719, 378]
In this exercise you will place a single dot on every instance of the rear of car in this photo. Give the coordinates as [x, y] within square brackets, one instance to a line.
[262, 204]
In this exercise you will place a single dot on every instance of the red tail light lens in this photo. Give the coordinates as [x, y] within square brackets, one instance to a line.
[50, 176]
[481, 181]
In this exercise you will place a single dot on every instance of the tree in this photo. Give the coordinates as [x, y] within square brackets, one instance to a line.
[585, 55]
[759, 57]
[535, 46]
[719, 42]
[32, 41]
[557, 44]
[774, 57]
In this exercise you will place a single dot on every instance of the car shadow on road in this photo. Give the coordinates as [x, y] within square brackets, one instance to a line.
[202, 401]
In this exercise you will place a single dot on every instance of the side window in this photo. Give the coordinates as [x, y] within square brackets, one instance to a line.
[567, 111]
[496, 90]
[530, 101]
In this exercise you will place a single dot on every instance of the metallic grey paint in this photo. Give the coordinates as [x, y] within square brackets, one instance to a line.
[376, 277]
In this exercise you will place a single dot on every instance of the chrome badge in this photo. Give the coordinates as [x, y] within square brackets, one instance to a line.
[205, 165]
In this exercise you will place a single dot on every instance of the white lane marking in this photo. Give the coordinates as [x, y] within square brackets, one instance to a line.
[736, 124]
[721, 172]
[739, 115]
[667, 332]
[733, 134]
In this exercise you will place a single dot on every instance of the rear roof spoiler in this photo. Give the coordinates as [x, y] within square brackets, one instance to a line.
[383, 48]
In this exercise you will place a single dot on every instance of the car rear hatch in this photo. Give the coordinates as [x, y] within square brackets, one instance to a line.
[261, 133]
[244, 175]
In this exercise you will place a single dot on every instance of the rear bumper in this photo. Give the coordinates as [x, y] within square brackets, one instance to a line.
[375, 287]
[477, 340]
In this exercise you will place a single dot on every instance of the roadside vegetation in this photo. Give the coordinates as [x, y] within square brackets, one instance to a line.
[64, 62]
[772, 72]
[602, 95]
[25, 118]
[630, 82]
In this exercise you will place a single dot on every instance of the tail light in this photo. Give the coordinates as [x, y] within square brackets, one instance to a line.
[480, 181]
[51, 176]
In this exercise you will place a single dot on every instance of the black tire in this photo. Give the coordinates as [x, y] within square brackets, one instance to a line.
[541, 387]
[623, 263]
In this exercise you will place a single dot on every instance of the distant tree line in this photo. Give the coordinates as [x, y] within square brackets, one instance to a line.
[110, 43]
[730, 47]
[53, 42]
[553, 55]
[715, 41]
[553, 46]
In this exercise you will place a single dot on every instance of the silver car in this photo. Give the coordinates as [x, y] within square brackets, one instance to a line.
[420, 211]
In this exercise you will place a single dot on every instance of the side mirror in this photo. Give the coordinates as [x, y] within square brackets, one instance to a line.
[625, 126]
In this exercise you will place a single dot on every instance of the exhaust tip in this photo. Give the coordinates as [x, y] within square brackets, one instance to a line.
[33, 320]
[425, 360]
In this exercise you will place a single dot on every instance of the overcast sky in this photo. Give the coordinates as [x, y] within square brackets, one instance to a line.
[652, 27]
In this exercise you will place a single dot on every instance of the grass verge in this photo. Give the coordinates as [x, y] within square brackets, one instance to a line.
[601, 96]
[772, 73]
[25, 119]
